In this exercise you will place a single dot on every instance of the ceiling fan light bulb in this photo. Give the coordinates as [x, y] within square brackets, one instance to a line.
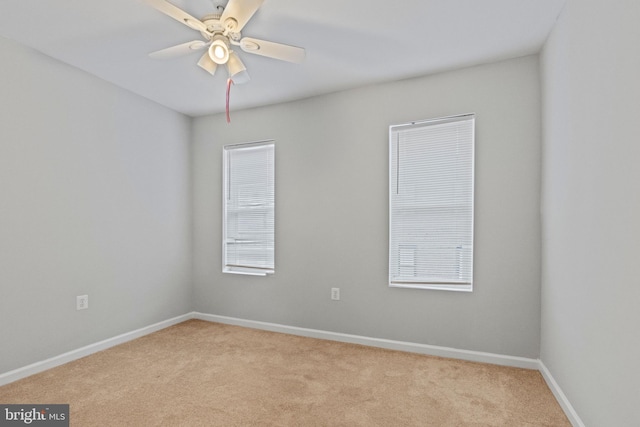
[219, 51]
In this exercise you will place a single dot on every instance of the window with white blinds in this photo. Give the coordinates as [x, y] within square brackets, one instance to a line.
[249, 208]
[431, 204]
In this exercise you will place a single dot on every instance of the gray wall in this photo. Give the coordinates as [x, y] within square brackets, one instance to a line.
[94, 199]
[332, 213]
[591, 210]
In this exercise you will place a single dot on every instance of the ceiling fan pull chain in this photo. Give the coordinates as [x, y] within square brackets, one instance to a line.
[229, 83]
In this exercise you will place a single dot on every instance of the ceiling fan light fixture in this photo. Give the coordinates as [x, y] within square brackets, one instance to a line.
[207, 64]
[219, 50]
[237, 70]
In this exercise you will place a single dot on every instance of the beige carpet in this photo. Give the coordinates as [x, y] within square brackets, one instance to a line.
[207, 374]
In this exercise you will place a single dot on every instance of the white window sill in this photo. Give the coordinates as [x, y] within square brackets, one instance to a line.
[434, 286]
[248, 271]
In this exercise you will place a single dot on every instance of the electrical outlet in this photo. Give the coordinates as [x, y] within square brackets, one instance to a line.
[335, 294]
[82, 302]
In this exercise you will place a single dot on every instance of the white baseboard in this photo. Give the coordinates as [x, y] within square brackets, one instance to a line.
[34, 368]
[454, 353]
[566, 406]
[432, 350]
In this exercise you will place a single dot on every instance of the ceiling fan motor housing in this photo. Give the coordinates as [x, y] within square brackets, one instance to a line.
[213, 25]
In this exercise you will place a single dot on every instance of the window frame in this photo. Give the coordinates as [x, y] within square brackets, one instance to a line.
[226, 184]
[425, 283]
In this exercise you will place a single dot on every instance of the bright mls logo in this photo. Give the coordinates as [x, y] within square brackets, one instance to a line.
[34, 415]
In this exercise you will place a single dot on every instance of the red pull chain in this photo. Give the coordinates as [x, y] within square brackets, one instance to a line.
[229, 83]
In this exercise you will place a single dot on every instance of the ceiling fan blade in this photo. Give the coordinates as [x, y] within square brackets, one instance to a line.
[177, 14]
[280, 51]
[238, 12]
[207, 64]
[178, 50]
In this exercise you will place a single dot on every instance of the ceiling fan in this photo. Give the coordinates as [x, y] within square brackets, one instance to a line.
[220, 32]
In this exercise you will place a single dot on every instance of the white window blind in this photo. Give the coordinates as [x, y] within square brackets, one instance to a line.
[249, 208]
[431, 204]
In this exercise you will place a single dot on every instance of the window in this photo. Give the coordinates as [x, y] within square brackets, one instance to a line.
[431, 204]
[249, 208]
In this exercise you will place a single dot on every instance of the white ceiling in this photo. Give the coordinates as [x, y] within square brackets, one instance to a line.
[349, 43]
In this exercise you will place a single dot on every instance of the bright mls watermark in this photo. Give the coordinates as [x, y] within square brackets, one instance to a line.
[34, 415]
